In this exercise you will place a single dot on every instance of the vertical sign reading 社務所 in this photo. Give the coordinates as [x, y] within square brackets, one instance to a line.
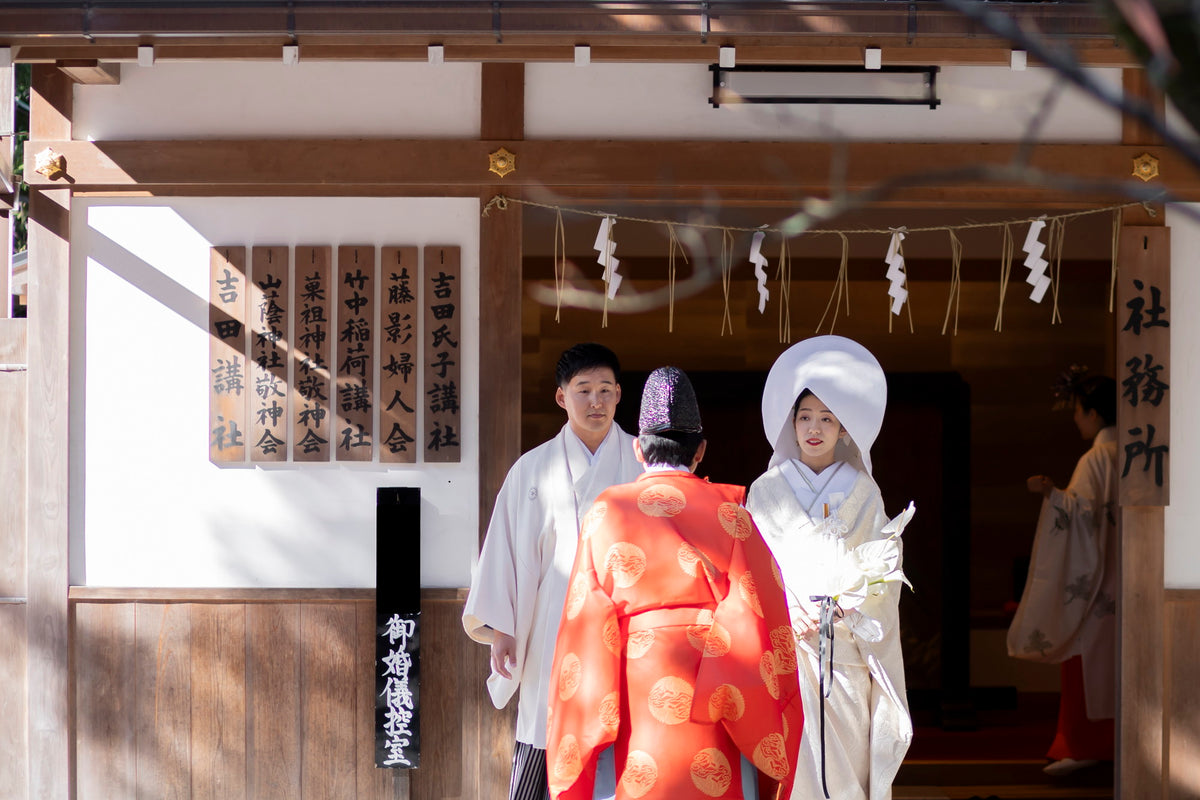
[443, 358]
[227, 297]
[354, 399]
[398, 338]
[269, 429]
[1144, 366]
[312, 345]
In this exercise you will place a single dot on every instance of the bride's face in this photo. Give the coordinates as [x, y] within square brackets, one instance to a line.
[817, 432]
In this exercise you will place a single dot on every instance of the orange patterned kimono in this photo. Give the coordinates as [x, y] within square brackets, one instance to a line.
[675, 644]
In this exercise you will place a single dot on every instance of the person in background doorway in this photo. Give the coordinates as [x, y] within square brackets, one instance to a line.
[822, 514]
[520, 581]
[1068, 610]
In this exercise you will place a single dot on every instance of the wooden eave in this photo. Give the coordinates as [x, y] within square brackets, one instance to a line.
[923, 31]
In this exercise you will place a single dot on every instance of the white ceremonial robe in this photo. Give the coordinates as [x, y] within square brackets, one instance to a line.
[520, 582]
[867, 727]
[1069, 604]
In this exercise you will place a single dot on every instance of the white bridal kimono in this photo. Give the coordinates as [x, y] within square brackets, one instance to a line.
[520, 582]
[867, 727]
[1069, 604]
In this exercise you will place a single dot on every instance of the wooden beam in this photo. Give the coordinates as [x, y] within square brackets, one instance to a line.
[962, 172]
[1140, 715]
[943, 51]
[91, 72]
[14, 735]
[50, 767]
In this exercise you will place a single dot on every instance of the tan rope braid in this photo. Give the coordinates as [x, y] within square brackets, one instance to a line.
[1058, 233]
[1118, 214]
[1006, 258]
[674, 246]
[502, 201]
[726, 276]
[498, 201]
[955, 282]
[841, 286]
[784, 275]
[560, 264]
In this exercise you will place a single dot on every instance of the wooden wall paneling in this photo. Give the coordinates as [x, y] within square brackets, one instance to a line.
[311, 361]
[218, 699]
[13, 391]
[328, 700]
[270, 298]
[355, 399]
[1182, 694]
[50, 768]
[273, 724]
[106, 689]
[443, 293]
[1141, 715]
[13, 688]
[445, 771]
[373, 783]
[163, 700]
[400, 300]
[229, 388]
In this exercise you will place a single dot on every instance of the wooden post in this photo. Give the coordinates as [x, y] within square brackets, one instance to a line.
[502, 116]
[1144, 257]
[7, 123]
[50, 768]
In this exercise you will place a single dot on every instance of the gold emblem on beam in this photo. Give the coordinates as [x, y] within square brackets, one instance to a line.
[1145, 167]
[502, 162]
[50, 164]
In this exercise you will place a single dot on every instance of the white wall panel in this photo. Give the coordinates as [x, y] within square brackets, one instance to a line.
[1182, 568]
[243, 100]
[148, 508]
[629, 101]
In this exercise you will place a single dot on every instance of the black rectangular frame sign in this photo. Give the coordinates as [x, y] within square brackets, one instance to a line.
[397, 628]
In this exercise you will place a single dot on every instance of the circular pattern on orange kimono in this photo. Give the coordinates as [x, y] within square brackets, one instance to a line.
[735, 520]
[577, 595]
[640, 773]
[670, 700]
[776, 573]
[568, 762]
[710, 638]
[748, 588]
[660, 500]
[639, 643]
[768, 670]
[610, 712]
[570, 673]
[627, 562]
[711, 772]
[611, 635]
[784, 643]
[770, 755]
[689, 559]
[726, 702]
[593, 518]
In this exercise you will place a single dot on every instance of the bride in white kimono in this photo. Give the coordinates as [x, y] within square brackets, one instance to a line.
[822, 515]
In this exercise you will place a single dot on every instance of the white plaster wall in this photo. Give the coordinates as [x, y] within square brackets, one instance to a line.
[626, 101]
[148, 508]
[1182, 567]
[216, 99]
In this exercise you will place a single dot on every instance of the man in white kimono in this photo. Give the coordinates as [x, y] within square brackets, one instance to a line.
[520, 583]
[1068, 609]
